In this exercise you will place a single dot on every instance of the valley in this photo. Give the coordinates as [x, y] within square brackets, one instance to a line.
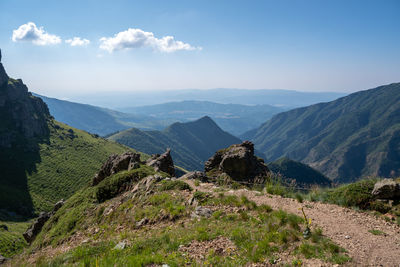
[199, 133]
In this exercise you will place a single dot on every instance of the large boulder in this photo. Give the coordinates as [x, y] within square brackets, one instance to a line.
[117, 163]
[386, 189]
[238, 161]
[162, 162]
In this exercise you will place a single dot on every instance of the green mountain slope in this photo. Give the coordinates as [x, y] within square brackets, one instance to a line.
[302, 173]
[41, 160]
[98, 120]
[192, 143]
[233, 118]
[354, 136]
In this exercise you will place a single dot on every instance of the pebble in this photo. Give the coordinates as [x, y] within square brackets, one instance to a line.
[120, 246]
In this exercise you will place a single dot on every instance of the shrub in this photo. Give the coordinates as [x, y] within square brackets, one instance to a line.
[174, 185]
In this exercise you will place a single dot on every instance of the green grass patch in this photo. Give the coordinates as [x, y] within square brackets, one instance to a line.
[376, 232]
[166, 185]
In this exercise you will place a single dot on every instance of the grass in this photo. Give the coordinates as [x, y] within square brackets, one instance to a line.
[11, 240]
[376, 232]
[67, 162]
[174, 185]
[64, 163]
[259, 233]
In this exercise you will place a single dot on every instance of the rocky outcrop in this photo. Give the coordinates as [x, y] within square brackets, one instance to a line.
[238, 161]
[386, 189]
[117, 163]
[38, 224]
[3, 74]
[162, 162]
[22, 114]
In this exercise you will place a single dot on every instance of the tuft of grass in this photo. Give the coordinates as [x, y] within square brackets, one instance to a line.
[376, 232]
[174, 185]
[299, 198]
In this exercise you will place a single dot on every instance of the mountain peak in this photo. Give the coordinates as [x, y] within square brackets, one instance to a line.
[205, 120]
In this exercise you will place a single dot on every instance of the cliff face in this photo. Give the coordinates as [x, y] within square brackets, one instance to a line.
[22, 115]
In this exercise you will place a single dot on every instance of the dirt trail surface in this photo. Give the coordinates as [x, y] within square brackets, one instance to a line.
[346, 227]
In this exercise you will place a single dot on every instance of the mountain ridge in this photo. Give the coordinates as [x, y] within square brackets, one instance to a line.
[344, 139]
[97, 120]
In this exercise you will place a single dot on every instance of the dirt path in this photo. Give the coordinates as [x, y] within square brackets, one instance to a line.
[346, 227]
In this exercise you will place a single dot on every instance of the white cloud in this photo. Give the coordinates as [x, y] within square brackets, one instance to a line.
[30, 33]
[136, 38]
[77, 41]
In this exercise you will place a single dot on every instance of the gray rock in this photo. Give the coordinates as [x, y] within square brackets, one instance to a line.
[386, 189]
[58, 205]
[142, 222]
[162, 162]
[120, 246]
[2, 259]
[201, 211]
[38, 224]
[116, 163]
[239, 162]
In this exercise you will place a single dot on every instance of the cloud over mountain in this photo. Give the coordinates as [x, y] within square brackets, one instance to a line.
[137, 38]
[29, 32]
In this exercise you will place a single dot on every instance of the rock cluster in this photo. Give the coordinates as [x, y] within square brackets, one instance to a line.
[238, 161]
[116, 163]
[162, 162]
[386, 189]
[38, 224]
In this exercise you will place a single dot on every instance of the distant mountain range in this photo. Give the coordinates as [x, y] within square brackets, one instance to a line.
[98, 120]
[351, 137]
[233, 118]
[278, 98]
[191, 143]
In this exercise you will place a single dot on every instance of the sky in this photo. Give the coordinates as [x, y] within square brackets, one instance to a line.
[65, 48]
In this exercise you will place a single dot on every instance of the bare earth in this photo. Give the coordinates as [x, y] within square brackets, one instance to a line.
[346, 227]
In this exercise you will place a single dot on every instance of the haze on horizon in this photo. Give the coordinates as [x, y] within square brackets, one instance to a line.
[66, 48]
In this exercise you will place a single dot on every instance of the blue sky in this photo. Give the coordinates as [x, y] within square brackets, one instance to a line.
[302, 45]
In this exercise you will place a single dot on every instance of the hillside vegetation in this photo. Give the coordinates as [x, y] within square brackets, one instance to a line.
[155, 223]
[191, 143]
[354, 136]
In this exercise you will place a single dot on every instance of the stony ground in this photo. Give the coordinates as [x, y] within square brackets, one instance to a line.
[346, 227]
